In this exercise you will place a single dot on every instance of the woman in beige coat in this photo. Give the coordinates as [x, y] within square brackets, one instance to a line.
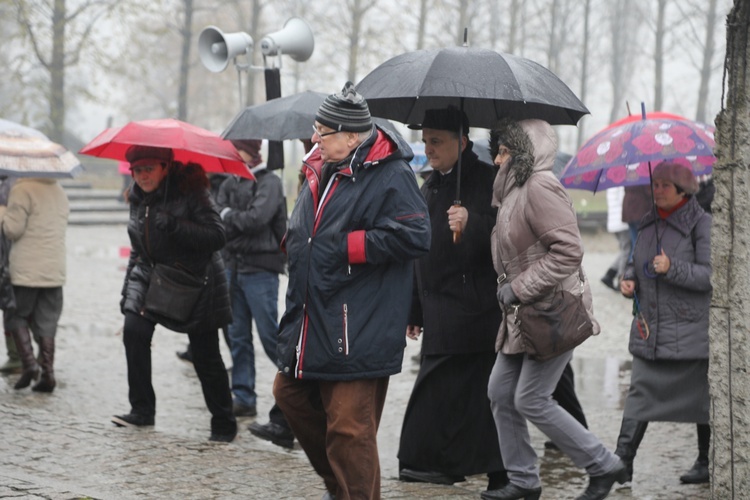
[35, 221]
[536, 248]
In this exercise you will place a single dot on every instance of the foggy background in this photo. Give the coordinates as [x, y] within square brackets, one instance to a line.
[74, 67]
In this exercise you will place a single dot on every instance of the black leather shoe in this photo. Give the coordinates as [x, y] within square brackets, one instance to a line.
[599, 486]
[277, 434]
[239, 410]
[697, 475]
[186, 356]
[419, 476]
[133, 420]
[512, 492]
[222, 438]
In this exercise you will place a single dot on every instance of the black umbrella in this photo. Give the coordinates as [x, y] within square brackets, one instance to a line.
[283, 118]
[485, 84]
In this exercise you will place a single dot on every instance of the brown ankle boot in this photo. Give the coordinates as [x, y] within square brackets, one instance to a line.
[46, 360]
[22, 337]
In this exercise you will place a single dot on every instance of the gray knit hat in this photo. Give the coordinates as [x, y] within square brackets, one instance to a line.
[346, 111]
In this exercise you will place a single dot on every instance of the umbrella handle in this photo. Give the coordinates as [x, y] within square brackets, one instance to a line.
[457, 233]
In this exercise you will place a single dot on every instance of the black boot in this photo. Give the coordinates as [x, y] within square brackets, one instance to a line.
[631, 435]
[600, 486]
[698, 474]
[609, 278]
[46, 360]
[22, 338]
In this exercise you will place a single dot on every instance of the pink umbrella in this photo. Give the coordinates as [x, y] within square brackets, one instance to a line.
[189, 143]
[620, 154]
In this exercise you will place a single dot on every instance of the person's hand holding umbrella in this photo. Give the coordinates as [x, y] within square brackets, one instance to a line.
[458, 217]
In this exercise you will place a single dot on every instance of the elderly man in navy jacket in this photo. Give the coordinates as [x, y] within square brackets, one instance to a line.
[358, 224]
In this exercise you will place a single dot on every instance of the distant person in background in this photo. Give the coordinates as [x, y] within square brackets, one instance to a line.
[35, 220]
[13, 364]
[636, 204]
[254, 216]
[621, 230]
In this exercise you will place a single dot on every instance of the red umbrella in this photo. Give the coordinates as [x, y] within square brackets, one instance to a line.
[189, 143]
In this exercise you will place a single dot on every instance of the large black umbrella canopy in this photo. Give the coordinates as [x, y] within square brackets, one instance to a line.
[485, 84]
[283, 118]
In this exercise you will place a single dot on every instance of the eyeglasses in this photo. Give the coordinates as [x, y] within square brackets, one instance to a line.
[143, 169]
[323, 134]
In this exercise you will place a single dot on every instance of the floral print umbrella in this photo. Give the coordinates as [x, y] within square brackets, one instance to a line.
[620, 154]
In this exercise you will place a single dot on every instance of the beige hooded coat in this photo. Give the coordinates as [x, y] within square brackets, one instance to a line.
[536, 242]
[36, 220]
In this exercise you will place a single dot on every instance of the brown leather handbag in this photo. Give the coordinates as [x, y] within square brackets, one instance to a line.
[550, 329]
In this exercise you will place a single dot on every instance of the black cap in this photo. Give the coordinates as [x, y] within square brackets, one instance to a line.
[444, 119]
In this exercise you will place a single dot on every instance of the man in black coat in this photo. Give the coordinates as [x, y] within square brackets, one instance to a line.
[448, 429]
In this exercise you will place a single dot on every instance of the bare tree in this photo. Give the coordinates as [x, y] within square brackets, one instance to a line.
[57, 37]
[659, 54]
[584, 68]
[186, 32]
[623, 32]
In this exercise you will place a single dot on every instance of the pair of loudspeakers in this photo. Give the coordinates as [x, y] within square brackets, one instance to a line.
[216, 49]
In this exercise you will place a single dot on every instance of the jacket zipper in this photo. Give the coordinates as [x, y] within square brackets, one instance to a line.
[346, 329]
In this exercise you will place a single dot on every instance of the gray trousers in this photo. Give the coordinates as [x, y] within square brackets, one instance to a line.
[520, 389]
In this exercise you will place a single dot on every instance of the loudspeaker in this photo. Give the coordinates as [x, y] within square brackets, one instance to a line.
[216, 48]
[295, 39]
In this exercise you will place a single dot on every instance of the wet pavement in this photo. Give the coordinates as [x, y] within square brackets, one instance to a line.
[63, 446]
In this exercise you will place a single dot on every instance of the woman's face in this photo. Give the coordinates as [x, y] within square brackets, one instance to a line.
[148, 176]
[502, 158]
[666, 196]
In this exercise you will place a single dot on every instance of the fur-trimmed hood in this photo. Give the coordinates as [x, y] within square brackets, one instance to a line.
[532, 145]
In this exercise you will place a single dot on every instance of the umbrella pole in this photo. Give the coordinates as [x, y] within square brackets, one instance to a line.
[457, 201]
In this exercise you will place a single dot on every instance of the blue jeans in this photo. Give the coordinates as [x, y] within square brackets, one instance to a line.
[254, 296]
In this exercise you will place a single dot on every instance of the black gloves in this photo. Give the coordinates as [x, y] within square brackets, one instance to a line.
[165, 221]
[506, 296]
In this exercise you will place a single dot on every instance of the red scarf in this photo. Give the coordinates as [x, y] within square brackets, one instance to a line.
[666, 213]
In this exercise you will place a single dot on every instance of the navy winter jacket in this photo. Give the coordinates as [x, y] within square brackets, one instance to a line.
[351, 252]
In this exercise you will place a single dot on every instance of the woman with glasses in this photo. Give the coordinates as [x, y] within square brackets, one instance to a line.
[669, 279]
[175, 229]
[537, 250]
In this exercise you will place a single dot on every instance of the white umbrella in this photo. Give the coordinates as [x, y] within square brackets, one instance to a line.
[26, 152]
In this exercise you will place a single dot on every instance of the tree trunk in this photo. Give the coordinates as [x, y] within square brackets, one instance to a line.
[584, 69]
[708, 56]
[186, 31]
[57, 73]
[357, 15]
[515, 7]
[659, 55]
[729, 331]
[621, 59]
[552, 43]
[256, 11]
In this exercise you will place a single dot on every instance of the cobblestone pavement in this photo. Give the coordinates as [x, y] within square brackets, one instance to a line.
[63, 446]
